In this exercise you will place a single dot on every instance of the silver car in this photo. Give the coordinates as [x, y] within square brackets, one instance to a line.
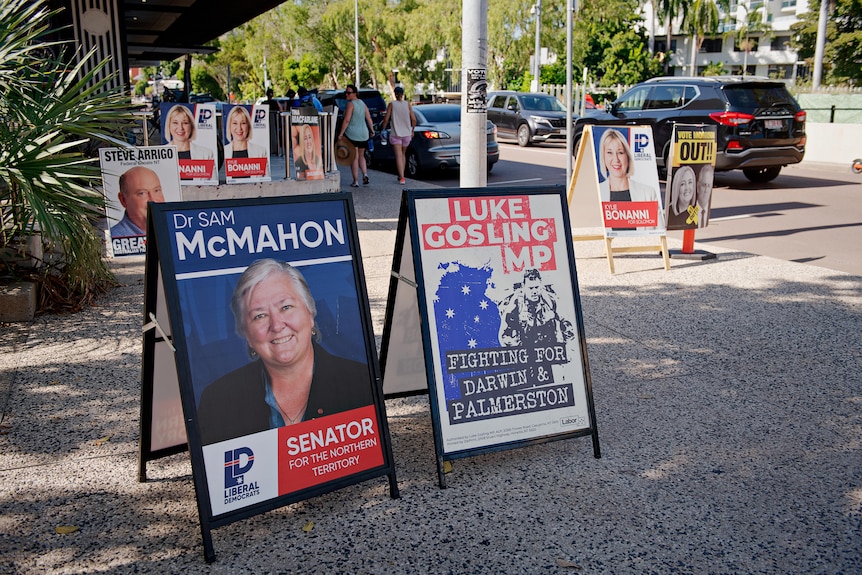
[527, 117]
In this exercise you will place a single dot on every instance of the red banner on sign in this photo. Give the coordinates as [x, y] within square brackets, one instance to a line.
[196, 169]
[630, 214]
[320, 450]
[245, 167]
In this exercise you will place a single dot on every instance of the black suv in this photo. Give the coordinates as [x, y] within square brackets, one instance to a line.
[527, 117]
[761, 128]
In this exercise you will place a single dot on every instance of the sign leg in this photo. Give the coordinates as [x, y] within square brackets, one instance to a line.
[610, 254]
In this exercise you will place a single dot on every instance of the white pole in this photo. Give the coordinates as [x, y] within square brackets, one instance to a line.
[356, 36]
[820, 45]
[474, 101]
[537, 68]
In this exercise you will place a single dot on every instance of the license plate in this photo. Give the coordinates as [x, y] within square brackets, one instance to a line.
[563, 132]
[774, 124]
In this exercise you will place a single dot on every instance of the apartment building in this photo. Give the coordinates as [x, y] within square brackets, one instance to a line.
[770, 55]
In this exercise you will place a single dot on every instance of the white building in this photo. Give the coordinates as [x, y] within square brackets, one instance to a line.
[770, 56]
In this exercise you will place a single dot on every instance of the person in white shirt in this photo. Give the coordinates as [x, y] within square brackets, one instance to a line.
[400, 113]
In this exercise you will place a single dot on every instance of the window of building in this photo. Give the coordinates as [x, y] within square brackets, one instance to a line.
[780, 72]
[752, 43]
[661, 45]
[711, 45]
[780, 43]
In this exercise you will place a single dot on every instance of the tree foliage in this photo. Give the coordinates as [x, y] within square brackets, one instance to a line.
[50, 114]
[842, 58]
[312, 43]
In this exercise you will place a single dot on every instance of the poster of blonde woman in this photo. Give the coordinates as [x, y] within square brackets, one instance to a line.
[246, 144]
[689, 179]
[628, 181]
[191, 128]
[305, 141]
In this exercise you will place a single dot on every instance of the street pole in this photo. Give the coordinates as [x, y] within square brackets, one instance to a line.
[537, 66]
[474, 100]
[820, 46]
[356, 35]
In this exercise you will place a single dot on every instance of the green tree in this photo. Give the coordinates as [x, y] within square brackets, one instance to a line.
[610, 41]
[667, 10]
[204, 83]
[753, 23]
[714, 69]
[701, 19]
[842, 58]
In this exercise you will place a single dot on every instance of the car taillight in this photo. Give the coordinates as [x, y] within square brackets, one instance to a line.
[800, 116]
[731, 118]
[432, 135]
[733, 145]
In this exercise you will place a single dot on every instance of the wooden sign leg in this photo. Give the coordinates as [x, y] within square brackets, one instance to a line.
[610, 254]
[664, 253]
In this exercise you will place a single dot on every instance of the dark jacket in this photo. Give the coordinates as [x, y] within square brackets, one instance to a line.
[235, 405]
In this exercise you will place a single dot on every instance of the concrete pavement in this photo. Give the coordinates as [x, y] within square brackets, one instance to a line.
[729, 407]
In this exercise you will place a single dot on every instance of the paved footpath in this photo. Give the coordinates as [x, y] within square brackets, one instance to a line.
[729, 406]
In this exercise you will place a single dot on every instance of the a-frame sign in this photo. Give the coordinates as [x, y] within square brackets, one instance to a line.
[618, 164]
[499, 319]
[276, 365]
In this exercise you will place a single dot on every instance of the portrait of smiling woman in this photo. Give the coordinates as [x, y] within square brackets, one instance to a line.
[238, 130]
[682, 197]
[180, 131]
[291, 378]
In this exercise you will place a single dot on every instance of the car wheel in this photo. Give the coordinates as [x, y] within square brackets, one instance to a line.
[576, 145]
[369, 159]
[490, 167]
[760, 175]
[524, 135]
[411, 164]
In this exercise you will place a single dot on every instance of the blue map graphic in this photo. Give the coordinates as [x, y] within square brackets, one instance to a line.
[466, 318]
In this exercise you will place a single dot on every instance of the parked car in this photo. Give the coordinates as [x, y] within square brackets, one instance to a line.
[527, 117]
[761, 128]
[371, 97]
[436, 141]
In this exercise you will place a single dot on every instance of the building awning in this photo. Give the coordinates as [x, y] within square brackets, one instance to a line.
[157, 30]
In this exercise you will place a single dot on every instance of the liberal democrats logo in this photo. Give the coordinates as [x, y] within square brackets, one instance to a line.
[237, 463]
[205, 117]
[641, 142]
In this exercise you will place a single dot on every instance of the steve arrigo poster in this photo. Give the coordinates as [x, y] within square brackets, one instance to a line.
[500, 295]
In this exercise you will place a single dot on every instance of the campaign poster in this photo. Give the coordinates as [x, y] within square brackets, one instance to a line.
[629, 191]
[246, 143]
[688, 196]
[496, 271]
[305, 141]
[132, 177]
[275, 353]
[191, 128]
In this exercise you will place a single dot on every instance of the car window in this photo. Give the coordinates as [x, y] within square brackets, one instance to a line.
[633, 100]
[757, 96]
[499, 102]
[542, 104]
[666, 97]
[438, 115]
[513, 104]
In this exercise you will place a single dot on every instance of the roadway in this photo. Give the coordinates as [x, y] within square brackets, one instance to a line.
[810, 214]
